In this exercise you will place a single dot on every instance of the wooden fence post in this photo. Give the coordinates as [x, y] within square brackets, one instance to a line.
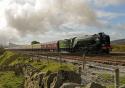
[32, 53]
[84, 62]
[116, 78]
[47, 58]
[60, 58]
[80, 70]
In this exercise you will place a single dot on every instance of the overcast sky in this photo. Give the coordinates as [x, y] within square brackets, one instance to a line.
[22, 21]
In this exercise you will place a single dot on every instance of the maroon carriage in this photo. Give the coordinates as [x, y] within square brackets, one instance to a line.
[49, 46]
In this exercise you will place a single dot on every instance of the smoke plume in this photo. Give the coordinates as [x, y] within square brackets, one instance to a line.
[39, 16]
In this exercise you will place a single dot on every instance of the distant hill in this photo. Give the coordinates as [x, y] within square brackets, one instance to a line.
[119, 41]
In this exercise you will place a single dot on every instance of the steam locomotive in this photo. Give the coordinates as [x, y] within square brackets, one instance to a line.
[97, 43]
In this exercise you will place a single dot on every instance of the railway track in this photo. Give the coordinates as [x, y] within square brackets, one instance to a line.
[111, 59]
[99, 59]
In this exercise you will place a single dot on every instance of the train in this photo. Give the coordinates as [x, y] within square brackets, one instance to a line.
[96, 43]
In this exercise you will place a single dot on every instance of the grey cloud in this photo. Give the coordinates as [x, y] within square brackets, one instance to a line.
[8, 35]
[40, 16]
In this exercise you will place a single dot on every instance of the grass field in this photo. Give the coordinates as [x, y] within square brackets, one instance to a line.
[118, 48]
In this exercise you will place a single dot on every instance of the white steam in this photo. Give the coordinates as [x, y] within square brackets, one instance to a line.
[39, 16]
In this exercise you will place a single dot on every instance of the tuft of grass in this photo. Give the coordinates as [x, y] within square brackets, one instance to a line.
[106, 79]
[7, 55]
[107, 76]
[122, 80]
[10, 80]
[110, 86]
[20, 59]
[53, 66]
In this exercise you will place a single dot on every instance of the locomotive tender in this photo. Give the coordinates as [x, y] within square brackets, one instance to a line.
[97, 43]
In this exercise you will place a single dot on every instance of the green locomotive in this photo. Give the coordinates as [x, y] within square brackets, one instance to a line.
[97, 43]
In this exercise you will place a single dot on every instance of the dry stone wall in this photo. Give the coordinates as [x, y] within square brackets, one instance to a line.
[34, 78]
[52, 80]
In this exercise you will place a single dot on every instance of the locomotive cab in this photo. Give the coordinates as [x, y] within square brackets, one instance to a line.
[105, 43]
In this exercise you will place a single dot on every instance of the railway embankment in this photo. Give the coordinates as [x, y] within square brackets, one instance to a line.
[31, 72]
